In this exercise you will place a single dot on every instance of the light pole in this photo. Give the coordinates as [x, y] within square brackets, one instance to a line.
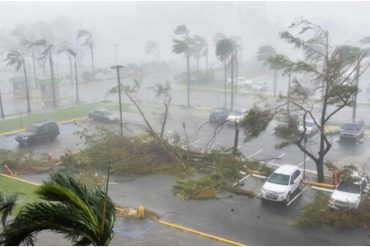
[304, 157]
[117, 68]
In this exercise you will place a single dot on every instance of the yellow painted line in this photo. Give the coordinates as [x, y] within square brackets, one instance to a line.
[325, 185]
[19, 179]
[11, 132]
[186, 229]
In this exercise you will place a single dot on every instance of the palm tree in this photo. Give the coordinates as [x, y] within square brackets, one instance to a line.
[87, 40]
[200, 49]
[14, 57]
[72, 54]
[84, 216]
[152, 48]
[224, 51]
[7, 204]
[184, 46]
[47, 52]
[263, 55]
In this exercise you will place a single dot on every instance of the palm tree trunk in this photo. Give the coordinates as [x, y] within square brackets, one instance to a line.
[34, 68]
[52, 79]
[225, 80]
[232, 82]
[288, 93]
[355, 95]
[197, 64]
[92, 61]
[207, 61]
[27, 89]
[236, 139]
[236, 70]
[70, 69]
[188, 77]
[275, 81]
[1, 107]
[76, 79]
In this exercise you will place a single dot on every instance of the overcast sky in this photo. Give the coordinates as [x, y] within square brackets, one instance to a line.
[132, 24]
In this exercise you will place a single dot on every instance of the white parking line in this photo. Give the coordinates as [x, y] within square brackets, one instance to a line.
[279, 157]
[307, 159]
[315, 136]
[253, 154]
[241, 180]
[300, 193]
[194, 141]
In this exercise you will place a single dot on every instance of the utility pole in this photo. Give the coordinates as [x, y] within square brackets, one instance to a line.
[357, 74]
[117, 68]
[289, 85]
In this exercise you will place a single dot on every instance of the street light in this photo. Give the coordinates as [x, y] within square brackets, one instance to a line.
[117, 68]
[304, 157]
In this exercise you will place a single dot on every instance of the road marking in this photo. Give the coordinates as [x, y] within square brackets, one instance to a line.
[300, 193]
[253, 154]
[322, 189]
[279, 157]
[259, 176]
[194, 141]
[241, 180]
[315, 136]
[186, 229]
[307, 159]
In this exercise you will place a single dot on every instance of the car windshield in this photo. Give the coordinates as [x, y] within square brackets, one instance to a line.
[32, 129]
[349, 126]
[283, 119]
[350, 188]
[277, 178]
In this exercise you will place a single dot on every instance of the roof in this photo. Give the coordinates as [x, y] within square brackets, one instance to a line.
[286, 169]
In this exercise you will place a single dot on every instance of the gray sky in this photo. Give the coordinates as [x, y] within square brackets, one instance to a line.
[132, 24]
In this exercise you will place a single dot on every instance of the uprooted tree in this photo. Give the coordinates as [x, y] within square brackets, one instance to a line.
[332, 71]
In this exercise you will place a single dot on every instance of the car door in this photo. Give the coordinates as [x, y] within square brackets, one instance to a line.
[294, 182]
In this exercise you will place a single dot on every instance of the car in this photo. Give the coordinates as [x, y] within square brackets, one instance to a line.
[235, 117]
[284, 121]
[311, 128]
[218, 115]
[282, 183]
[241, 81]
[38, 132]
[352, 131]
[103, 115]
[259, 86]
[348, 195]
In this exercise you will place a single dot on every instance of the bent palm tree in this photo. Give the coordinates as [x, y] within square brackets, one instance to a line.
[184, 47]
[84, 216]
[263, 55]
[14, 57]
[87, 40]
[48, 52]
[7, 204]
[200, 49]
[74, 55]
[224, 51]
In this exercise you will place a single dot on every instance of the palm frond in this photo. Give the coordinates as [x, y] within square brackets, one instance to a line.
[7, 204]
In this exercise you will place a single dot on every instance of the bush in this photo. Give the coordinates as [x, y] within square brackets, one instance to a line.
[22, 161]
[318, 213]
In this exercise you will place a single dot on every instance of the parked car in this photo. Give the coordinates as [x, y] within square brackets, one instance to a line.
[348, 195]
[103, 115]
[218, 115]
[241, 81]
[235, 117]
[38, 132]
[284, 121]
[311, 128]
[352, 131]
[282, 183]
[259, 86]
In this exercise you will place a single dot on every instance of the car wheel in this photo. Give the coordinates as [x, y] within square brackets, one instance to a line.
[287, 199]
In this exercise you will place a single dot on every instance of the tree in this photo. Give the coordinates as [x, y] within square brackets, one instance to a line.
[330, 73]
[72, 54]
[152, 48]
[225, 50]
[184, 46]
[87, 40]
[15, 58]
[2, 114]
[263, 55]
[83, 215]
[7, 204]
[200, 49]
[47, 53]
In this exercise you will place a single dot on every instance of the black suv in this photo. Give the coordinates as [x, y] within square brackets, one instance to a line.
[352, 131]
[218, 115]
[38, 132]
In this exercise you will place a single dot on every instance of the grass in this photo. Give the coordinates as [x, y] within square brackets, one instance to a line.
[24, 191]
[58, 114]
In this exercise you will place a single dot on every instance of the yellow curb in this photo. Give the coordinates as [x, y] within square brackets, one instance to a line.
[19, 179]
[331, 186]
[11, 132]
[186, 229]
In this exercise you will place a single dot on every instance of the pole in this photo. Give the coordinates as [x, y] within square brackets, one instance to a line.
[304, 157]
[289, 84]
[1, 108]
[355, 95]
[117, 68]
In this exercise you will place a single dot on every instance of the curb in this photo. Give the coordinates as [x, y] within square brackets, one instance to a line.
[19, 179]
[206, 235]
[323, 185]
